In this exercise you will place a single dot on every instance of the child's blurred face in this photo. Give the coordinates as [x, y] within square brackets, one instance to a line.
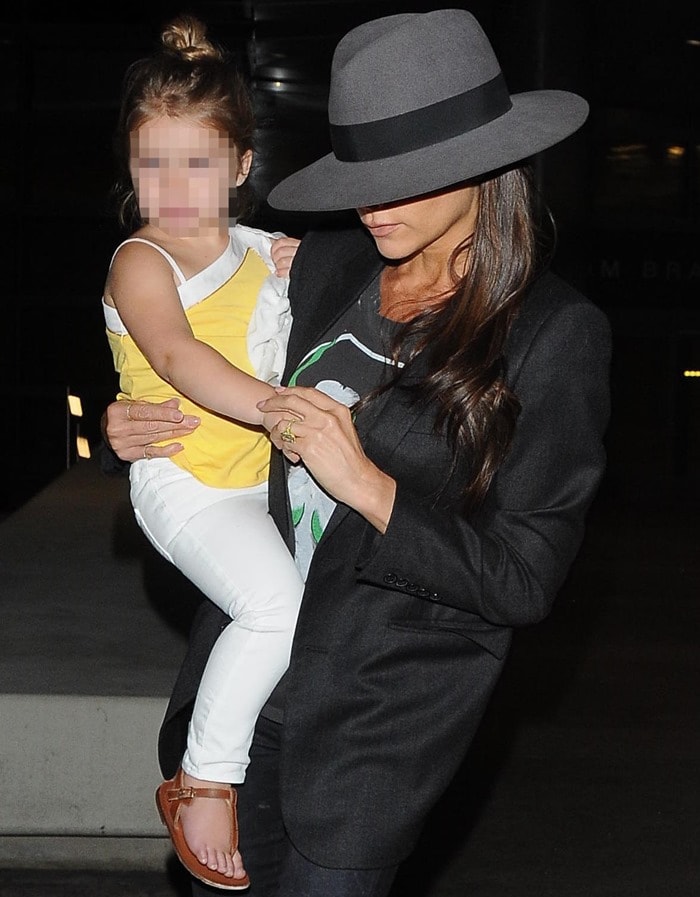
[183, 174]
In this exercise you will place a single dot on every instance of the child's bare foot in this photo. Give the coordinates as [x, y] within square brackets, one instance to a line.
[206, 825]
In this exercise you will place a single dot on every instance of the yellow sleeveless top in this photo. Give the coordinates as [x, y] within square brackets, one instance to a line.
[221, 452]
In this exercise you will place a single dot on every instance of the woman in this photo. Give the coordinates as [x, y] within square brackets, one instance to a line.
[446, 507]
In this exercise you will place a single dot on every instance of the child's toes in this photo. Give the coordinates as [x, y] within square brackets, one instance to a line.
[238, 867]
[224, 863]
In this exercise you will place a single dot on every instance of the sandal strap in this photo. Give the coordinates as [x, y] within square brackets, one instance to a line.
[188, 793]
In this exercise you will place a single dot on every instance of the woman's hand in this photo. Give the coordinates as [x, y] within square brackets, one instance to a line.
[274, 422]
[130, 428]
[307, 424]
[283, 250]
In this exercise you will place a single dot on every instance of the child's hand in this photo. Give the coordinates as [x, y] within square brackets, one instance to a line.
[283, 250]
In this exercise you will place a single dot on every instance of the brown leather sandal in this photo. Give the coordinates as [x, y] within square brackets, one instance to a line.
[170, 795]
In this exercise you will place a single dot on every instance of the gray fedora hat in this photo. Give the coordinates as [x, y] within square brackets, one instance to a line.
[418, 102]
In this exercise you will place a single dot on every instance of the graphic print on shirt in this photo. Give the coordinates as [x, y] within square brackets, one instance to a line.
[361, 368]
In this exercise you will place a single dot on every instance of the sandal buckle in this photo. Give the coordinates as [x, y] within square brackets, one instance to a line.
[181, 794]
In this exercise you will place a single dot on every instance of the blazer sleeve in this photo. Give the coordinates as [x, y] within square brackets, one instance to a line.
[507, 564]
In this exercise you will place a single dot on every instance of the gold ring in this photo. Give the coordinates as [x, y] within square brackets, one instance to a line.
[128, 411]
[288, 435]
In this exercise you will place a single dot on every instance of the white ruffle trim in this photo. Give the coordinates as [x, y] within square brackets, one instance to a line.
[268, 330]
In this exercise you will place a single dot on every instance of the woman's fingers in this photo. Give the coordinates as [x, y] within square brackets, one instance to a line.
[304, 413]
[129, 427]
[158, 414]
[308, 425]
[301, 402]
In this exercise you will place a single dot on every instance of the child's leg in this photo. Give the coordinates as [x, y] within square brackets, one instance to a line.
[244, 665]
[252, 652]
[226, 543]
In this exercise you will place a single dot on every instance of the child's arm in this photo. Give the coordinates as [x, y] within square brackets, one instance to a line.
[142, 288]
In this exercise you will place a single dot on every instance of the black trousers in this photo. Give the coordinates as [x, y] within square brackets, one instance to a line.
[275, 868]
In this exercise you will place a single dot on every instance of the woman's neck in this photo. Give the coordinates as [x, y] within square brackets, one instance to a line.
[413, 286]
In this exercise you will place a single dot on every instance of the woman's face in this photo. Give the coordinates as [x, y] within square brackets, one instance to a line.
[433, 224]
[183, 173]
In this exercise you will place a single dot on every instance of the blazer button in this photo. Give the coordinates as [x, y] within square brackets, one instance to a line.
[402, 582]
[433, 597]
[411, 587]
[423, 593]
[390, 578]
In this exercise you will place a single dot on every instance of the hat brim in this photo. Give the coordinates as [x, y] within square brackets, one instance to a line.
[537, 120]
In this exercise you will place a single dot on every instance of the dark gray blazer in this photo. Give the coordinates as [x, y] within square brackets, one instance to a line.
[402, 637]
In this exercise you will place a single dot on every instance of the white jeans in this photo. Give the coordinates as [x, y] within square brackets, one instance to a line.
[226, 543]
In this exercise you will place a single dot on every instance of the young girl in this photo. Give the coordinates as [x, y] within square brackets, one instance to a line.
[195, 311]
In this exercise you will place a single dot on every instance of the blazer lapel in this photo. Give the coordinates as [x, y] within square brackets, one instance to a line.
[329, 303]
[356, 269]
[383, 424]
[381, 429]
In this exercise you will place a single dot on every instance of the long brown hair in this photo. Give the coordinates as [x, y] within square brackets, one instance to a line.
[188, 77]
[464, 338]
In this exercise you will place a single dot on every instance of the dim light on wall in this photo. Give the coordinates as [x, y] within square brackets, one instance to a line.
[77, 446]
[75, 406]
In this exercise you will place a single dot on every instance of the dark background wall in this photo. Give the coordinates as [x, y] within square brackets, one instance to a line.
[625, 191]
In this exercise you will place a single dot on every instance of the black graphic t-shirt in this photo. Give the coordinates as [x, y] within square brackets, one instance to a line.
[350, 361]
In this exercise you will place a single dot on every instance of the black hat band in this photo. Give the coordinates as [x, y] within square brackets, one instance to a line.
[422, 127]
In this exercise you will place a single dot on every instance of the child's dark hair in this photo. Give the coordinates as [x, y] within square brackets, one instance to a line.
[187, 77]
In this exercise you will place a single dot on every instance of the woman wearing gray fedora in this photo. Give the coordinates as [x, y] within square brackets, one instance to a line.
[441, 439]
